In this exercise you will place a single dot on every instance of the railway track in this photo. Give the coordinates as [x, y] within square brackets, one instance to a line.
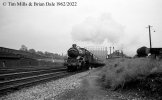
[20, 77]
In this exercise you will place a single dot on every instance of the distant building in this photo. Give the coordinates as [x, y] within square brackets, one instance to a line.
[116, 54]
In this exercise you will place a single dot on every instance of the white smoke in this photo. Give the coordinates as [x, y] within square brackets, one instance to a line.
[97, 30]
[105, 29]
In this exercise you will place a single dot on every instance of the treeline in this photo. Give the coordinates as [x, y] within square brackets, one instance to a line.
[44, 54]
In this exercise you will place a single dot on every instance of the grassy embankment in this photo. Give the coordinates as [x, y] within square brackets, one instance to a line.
[138, 73]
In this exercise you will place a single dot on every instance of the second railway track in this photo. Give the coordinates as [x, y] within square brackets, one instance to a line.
[13, 78]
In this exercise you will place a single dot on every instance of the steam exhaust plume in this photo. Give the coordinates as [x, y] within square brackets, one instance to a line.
[97, 30]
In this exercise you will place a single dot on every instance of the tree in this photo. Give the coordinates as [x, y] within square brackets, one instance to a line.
[31, 51]
[23, 48]
[47, 53]
[40, 53]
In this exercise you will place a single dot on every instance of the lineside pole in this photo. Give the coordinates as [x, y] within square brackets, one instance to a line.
[149, 27]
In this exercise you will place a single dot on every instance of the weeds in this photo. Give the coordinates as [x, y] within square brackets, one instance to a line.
[117, 73]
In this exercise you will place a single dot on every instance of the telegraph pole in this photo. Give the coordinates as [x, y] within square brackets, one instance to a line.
[149, 27]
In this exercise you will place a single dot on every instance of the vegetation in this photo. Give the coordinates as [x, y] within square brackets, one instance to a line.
[45, 54]
[140, 73]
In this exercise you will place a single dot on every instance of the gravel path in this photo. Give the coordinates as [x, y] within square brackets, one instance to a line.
[48, 90]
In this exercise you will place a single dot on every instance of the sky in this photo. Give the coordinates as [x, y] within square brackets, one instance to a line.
[118, 23]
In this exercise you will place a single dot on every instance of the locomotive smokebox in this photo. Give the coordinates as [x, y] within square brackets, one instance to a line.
[73, 52]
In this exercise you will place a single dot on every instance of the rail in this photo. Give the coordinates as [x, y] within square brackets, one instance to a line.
[12, 78]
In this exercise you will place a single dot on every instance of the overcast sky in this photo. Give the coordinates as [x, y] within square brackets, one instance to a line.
[118, 23]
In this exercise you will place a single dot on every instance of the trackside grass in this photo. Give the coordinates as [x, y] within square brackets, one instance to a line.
[119, 72]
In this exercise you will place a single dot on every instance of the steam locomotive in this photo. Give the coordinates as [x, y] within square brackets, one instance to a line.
[80, 58]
